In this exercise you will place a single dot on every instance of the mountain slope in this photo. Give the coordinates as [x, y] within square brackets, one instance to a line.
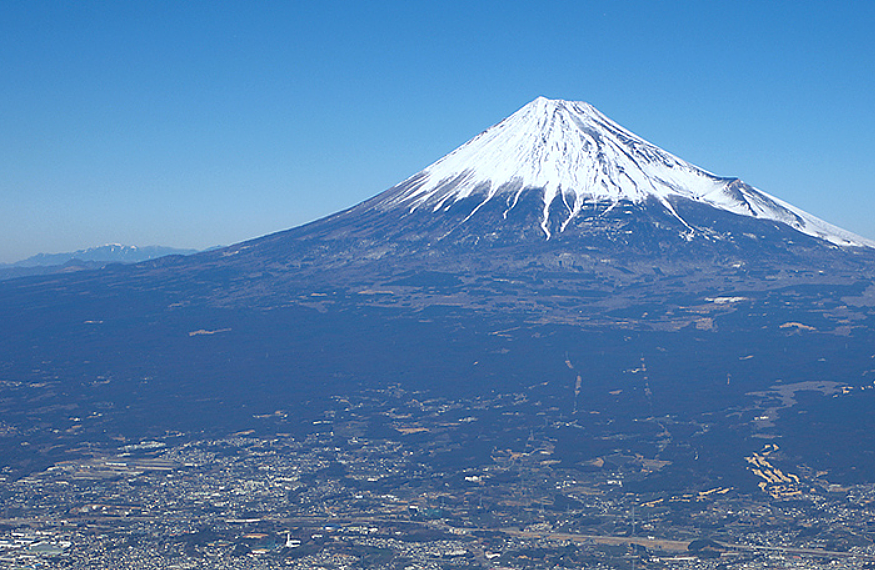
[666, 304]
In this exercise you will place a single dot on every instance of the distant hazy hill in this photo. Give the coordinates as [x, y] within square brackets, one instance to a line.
[91, 258]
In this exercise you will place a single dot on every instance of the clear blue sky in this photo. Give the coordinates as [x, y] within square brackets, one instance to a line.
[193, 124]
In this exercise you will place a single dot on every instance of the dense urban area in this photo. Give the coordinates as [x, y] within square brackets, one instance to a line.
[338, 495]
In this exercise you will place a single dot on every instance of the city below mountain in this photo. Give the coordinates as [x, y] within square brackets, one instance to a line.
[549, 336]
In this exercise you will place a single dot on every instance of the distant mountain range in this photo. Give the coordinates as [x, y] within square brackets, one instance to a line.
[91, 258]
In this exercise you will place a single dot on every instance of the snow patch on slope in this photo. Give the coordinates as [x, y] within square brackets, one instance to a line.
[573, 153]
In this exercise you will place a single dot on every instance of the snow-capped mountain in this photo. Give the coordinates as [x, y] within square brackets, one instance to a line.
[556, 268]
[577, 160]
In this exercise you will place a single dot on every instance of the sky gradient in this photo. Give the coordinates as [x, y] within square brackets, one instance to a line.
[195, 124]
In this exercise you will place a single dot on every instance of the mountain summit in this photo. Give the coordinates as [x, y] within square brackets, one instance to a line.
[576, 160]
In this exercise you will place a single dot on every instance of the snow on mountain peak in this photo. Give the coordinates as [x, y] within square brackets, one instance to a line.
[578, 156]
